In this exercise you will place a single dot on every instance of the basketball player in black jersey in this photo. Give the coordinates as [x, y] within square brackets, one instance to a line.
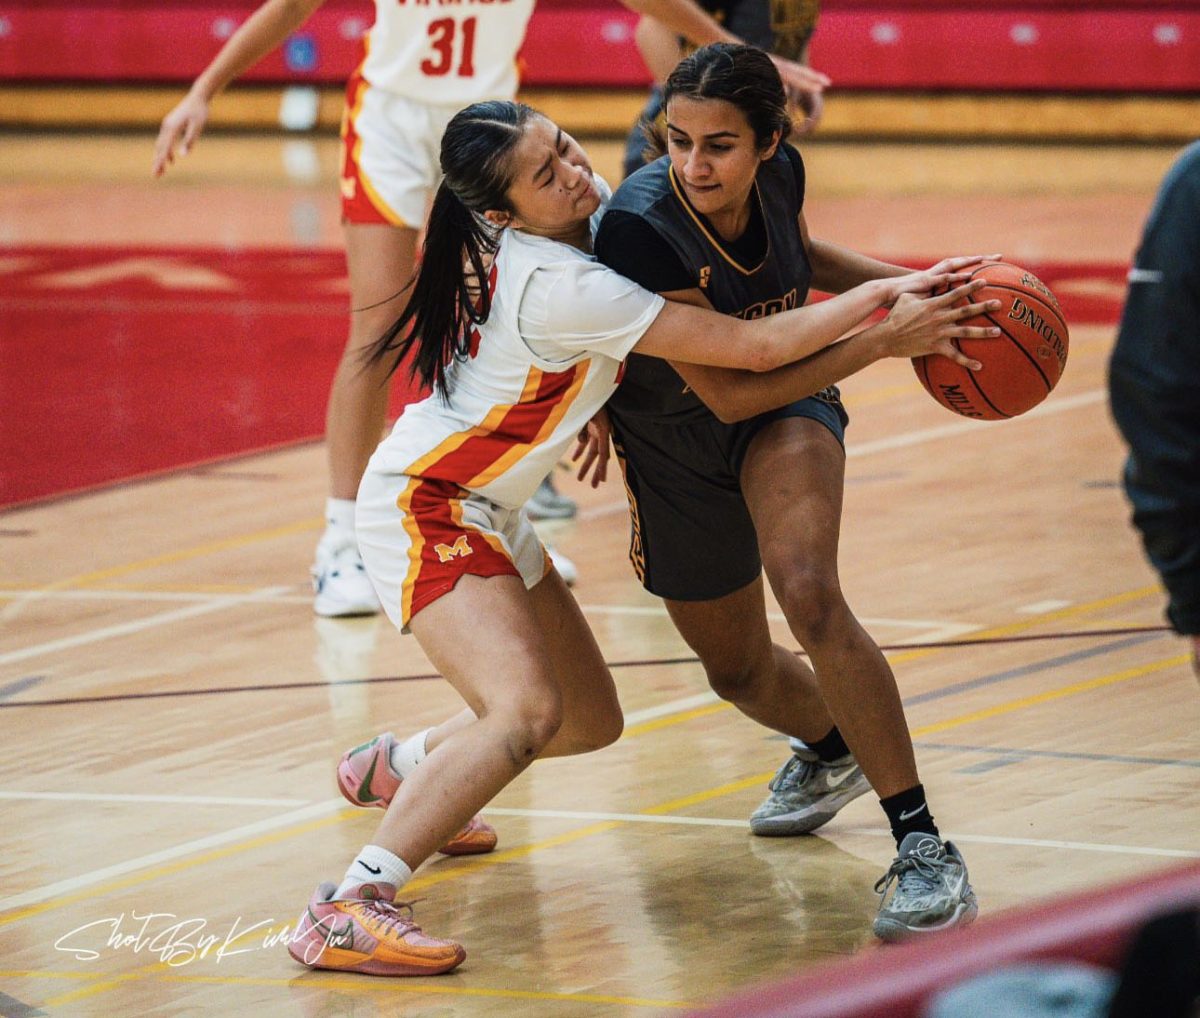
[729, 475]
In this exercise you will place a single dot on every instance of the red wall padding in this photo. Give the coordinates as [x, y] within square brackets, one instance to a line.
[1054, 45]
[1092, 926]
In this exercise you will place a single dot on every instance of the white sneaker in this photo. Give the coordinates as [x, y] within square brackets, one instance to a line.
[340, 580]
[566, 568]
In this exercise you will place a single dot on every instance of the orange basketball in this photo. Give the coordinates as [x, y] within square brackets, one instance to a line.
[1020, 366]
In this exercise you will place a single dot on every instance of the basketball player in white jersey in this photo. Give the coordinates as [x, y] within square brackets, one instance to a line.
[423, 61]
[521, 347]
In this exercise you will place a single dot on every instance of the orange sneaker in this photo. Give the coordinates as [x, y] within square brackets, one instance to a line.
[365, 778]
[368, 933]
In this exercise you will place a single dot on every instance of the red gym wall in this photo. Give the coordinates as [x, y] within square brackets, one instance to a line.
[1051, 45]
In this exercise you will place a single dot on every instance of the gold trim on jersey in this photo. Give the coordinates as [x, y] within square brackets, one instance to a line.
[716, 241]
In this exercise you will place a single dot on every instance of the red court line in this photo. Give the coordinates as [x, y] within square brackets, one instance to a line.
[119, 363]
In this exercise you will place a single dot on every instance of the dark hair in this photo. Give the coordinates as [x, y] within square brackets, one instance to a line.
[449, 292]
[741, 75]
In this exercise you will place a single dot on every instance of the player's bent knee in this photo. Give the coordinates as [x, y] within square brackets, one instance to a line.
[811, 601]
[531, 725]
[733, 681]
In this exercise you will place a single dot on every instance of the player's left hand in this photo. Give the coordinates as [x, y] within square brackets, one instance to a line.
[593, 445]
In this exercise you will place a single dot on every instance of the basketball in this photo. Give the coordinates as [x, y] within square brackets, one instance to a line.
[1020, 366]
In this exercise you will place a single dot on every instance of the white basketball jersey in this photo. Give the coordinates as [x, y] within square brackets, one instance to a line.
[446, 52]
[544, 362]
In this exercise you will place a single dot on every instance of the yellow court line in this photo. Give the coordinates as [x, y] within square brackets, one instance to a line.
[347, 982]
[526, 850]
[1054, 694]
[1037, 620]
[352, 982]
[468, 866]
[674, 719]
[226, 544]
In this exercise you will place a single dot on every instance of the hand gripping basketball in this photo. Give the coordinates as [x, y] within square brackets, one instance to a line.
[1018, 370]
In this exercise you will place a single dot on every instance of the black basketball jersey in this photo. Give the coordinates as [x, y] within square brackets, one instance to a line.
[776, 281]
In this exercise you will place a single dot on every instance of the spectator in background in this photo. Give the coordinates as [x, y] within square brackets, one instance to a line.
[784, 28]
[1154, 382]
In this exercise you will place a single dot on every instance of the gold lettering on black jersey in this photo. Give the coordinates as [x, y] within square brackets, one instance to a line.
[769, 307]
[704, 274]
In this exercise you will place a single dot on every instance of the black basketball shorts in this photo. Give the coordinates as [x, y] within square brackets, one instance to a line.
[692, 536]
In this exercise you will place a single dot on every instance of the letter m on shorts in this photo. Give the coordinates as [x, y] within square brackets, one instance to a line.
[445, 552]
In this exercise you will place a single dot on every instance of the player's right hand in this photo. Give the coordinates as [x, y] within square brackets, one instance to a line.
[182, 126]
[917, 326]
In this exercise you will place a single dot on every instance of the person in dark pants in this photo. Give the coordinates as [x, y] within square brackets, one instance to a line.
[1154, 384]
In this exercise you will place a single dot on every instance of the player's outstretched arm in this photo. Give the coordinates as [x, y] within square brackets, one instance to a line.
[686, 333]
[916, 326]
[265, 29]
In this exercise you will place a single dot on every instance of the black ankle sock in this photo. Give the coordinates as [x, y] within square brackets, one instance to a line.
[831, 747]
[907, 812]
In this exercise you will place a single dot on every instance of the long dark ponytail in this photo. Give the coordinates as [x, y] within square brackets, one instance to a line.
[450, 292]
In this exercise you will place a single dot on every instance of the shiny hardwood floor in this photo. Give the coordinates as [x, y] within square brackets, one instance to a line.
[172, 710]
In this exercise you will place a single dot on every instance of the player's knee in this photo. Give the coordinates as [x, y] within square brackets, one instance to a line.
[734, 680]
[531, 723]
[812, 602]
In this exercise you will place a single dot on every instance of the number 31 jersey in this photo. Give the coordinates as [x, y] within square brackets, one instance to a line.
[446, 52]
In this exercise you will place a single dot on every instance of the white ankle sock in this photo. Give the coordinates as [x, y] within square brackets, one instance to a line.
[339, 515]
[374, 865]
[405, 755]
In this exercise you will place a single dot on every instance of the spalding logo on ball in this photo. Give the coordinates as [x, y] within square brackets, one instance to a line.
[1020, 366]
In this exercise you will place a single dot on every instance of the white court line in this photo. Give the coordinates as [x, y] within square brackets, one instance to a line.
[875, 832]
[1055, 406]
[636, 717]
[911, 438]
[185, 800]
[151, 595]
[931, 630]
[71, 884]
[138, 625]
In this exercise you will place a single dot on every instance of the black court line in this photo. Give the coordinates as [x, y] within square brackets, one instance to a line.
[1049, 754]
[644, 663]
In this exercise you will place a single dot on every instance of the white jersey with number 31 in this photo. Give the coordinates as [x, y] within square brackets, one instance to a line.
[446, 52]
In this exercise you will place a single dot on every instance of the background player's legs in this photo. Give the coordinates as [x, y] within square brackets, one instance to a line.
[380, 261]
[792, 481]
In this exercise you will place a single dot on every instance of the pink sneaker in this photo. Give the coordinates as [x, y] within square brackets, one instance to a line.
[368, 933]
[365, 778]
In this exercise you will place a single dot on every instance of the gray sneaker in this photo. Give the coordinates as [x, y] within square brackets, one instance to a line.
[931, 892]
[547, 504]
[806, 793]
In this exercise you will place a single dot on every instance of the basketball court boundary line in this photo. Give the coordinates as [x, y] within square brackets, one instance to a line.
[34, 901]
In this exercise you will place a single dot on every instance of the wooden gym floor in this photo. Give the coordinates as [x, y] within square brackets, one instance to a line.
[172, 710]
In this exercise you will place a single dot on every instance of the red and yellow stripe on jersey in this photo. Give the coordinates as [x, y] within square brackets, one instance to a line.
[443, 547]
